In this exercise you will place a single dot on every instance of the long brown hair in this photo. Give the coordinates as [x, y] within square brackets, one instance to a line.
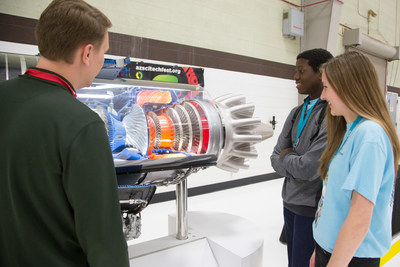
[354, 79]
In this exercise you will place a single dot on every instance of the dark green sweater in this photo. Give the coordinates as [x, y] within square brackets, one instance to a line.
[58, 189]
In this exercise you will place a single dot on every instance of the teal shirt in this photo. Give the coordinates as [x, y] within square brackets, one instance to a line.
[59, 201]
[365, 164]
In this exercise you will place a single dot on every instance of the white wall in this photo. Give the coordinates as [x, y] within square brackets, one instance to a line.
[251, 28]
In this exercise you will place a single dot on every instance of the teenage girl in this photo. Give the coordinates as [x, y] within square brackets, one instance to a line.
[353, 221]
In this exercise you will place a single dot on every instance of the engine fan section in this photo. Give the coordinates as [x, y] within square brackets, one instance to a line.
[154, 123]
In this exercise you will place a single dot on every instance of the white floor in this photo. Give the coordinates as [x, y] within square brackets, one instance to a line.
[260, 203]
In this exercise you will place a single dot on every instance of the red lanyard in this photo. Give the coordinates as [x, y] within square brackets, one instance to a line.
[50, 77]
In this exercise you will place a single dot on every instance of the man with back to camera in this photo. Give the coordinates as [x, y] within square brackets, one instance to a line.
[296, 154]
[59, 201]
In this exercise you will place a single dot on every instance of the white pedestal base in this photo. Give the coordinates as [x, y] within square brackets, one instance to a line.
[215, 240]
[170, 252]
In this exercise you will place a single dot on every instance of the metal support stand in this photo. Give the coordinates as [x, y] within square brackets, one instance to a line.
[181, 210]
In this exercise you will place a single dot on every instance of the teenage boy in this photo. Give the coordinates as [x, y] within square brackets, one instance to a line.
[296, 154]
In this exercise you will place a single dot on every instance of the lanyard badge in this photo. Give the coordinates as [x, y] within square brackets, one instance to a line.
[347, 135]
[303, 119]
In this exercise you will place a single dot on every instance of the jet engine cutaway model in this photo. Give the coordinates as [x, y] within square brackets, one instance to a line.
[159, 135]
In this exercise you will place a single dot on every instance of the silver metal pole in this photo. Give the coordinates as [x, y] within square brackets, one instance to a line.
[22, 60]
[181, 210]
[6, 66]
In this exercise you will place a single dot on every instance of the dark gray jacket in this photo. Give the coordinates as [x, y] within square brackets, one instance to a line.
[302, 186]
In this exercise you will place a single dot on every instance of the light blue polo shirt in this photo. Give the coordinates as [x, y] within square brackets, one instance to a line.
[364, 163]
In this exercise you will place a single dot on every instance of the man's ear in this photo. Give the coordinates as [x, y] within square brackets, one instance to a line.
[87, 51]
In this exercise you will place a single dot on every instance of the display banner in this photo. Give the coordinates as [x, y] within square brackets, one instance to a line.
[163, 73]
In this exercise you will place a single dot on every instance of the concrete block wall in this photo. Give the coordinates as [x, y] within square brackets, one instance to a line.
[384, 27]
[250, 28]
